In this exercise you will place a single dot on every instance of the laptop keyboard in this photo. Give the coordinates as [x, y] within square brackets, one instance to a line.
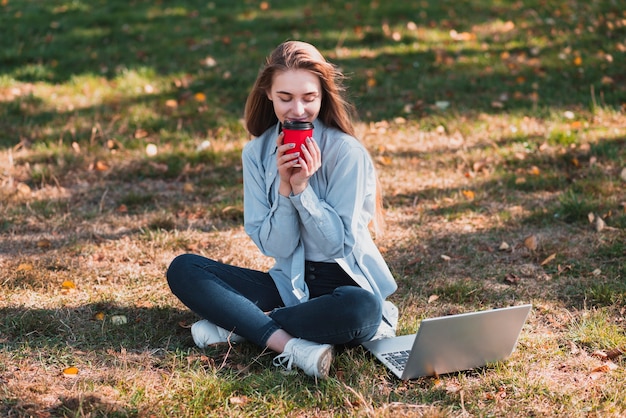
[398, 358]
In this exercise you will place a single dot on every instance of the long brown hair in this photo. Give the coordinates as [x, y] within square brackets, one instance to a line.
[335, 110]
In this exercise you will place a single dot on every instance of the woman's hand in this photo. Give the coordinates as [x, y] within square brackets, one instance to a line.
[296, 168]
[310, 161]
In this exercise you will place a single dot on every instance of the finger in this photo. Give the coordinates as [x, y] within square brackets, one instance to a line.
[279, 139]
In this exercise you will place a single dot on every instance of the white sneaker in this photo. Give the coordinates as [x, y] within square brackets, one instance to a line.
[205, 333]
[313, 358]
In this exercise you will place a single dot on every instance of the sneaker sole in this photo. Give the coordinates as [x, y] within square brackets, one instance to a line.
[325, 360]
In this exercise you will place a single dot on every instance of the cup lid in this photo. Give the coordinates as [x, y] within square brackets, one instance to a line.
[297, 125]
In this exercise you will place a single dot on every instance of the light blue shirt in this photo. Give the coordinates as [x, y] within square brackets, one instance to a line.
[333, 212]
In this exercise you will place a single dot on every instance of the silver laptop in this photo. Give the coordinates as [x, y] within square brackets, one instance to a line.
[452, 343]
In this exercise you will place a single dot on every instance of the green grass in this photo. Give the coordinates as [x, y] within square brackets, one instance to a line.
[488, 122]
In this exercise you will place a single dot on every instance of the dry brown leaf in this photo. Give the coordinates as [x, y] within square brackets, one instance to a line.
[511, 278]
[23, 189]
[614, 353]
[599, 224]
[44, 243]
[504, 246]
[70, 371]
[599, 354]
[462, 36]
[469, 194]
[445, 257]
[188, 187]
[238, 400]
[100, 166]
[548, 259]
[432, 298]
[608, 355]
[141, 133]
[599, 371]
[24, 267]
[68, 284]
[531, 242]
[99, 316]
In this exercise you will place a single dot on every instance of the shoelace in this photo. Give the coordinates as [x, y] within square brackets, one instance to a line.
[284, 360]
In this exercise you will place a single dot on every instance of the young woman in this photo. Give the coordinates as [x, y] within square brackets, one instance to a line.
[311, 211]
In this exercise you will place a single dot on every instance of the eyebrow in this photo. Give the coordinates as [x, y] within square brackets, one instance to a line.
[291, 94]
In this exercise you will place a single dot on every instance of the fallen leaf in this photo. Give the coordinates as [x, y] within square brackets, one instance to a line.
[614, 353]
[599, 354]
[70, 371]
[462, 36]
[623, 174]
[548, 259]
[200, 97]
[23, 189]
[141, 133]
[432, 298]
[600, 371]
[445, 257]
[100, 166]
[44, 243]
[608, 355]
[469, 194]
[504, 246]
[99, 316]
[453, 387]
[171, 103]
[599, 224]
[188, 187]
[119, 320]
[68, 284]
[238, 400]
[24, 267]
[511, 278]
[530, 242]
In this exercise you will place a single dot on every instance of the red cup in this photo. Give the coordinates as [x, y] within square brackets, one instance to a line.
[296, 132]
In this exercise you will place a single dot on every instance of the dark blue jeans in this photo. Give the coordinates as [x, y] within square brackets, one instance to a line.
[237, 299]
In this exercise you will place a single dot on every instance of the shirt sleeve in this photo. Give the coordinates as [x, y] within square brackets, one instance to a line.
[270, 220]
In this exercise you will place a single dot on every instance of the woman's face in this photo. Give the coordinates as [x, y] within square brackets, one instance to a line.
[296, 95]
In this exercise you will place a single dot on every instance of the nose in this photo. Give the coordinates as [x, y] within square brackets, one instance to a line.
[299, 107]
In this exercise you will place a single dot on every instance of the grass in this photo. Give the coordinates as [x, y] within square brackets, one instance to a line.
[489, 122]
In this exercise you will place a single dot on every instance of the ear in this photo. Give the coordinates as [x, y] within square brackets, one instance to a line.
[267, 93]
